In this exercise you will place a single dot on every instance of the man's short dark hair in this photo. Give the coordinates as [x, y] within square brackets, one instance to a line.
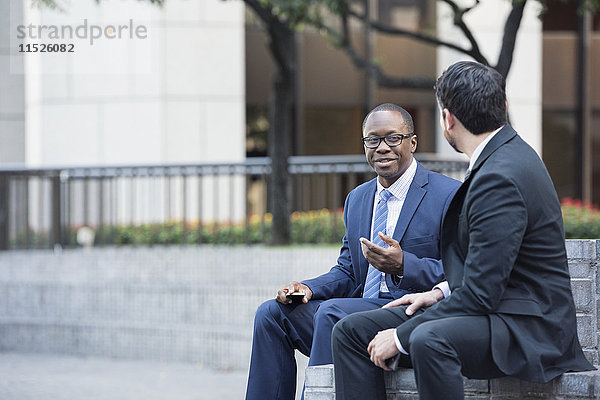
[475, 94]
[408, 121]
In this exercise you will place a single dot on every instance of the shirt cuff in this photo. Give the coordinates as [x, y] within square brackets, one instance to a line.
[398, 344]
[444, 287]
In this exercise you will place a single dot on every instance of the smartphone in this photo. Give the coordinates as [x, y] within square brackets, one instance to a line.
[296, 297]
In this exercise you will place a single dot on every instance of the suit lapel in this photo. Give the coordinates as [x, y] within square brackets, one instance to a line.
[367, 201]
[364, 229]
[451, 250]
[415, 194]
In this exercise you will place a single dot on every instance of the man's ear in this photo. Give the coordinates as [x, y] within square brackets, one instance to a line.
[449, 119]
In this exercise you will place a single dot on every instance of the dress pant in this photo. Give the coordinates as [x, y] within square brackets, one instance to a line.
[279, 329]
[441, 352]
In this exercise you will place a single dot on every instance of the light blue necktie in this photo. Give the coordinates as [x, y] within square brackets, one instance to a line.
[373, 281]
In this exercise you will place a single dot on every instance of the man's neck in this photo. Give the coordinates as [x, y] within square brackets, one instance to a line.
[470, 142]
[480, 146]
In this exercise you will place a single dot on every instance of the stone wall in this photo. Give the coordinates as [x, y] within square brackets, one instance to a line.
[585, 282]
[190, 303]
[193, 304]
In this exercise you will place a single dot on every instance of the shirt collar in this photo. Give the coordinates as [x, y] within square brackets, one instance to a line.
[479, 149]
[399, 188]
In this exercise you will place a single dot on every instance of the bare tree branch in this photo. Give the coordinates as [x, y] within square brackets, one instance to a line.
[264, 12]
[467, 9]
[511, 28]
[460, 23]
[373, 69]
[402, 32]
[278, 32]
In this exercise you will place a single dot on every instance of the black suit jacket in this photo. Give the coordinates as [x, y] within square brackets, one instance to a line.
[504, 256]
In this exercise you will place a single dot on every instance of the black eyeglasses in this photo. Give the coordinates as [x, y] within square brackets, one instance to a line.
[395, 139]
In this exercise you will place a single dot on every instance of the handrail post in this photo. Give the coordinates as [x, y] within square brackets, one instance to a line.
[56, 230]
[4, 203]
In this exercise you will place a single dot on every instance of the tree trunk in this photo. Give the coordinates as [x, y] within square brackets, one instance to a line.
[281, 116]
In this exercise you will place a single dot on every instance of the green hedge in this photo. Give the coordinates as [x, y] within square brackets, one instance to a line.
[581, 220]
[312, 227]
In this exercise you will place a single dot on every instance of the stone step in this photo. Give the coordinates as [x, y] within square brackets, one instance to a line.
[400, 385]
[169, 303]
[219, 346]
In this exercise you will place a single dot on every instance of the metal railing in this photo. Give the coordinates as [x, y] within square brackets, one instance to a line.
[46, 207]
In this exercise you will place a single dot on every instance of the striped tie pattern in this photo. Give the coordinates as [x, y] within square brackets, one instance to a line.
[467, 174]
[373, 281]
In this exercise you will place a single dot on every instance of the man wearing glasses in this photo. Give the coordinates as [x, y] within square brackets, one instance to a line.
[507, 308]
[391, 248]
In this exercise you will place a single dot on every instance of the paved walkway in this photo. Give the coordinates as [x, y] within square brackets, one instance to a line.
[55, 377]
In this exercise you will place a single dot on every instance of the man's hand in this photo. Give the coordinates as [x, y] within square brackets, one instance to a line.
[293, 287]
[417, 300]
[382, 347]
[386, 259]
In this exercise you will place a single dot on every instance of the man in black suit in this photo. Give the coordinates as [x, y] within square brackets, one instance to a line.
[507, 307]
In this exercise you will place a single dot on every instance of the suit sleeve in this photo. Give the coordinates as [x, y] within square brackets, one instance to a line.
[340, 280]
[422, 273]
[496, 216]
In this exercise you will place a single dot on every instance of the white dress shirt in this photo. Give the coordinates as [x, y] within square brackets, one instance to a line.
[398, 189]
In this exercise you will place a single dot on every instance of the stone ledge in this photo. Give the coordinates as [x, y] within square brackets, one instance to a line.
[582, 248]
[319, 385]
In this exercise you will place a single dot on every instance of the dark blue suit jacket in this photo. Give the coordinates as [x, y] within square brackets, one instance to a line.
[418, 230]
